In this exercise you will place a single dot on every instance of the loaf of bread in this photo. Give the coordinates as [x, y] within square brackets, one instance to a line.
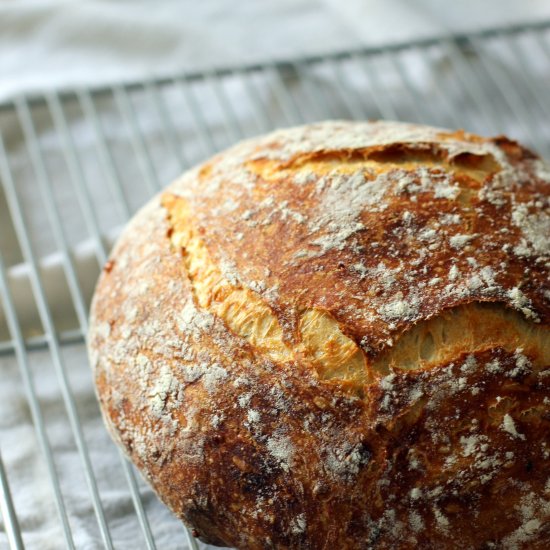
[337, 336]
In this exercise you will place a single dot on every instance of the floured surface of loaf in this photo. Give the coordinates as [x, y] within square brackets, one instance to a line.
[339, 334]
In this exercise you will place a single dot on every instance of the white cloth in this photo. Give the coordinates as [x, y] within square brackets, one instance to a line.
[28, 476]
[63, 43]
[55, 44]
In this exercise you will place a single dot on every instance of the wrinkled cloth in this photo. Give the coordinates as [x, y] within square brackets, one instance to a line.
[48, 44]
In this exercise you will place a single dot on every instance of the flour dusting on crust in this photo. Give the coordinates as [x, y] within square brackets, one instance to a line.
[424, 256]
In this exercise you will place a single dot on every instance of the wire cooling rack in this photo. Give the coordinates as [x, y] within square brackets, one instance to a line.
[76, 164]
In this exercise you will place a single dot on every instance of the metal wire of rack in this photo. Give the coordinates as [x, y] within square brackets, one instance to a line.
[76, 164]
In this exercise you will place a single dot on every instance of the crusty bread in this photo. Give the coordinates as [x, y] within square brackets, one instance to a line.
[338, 336]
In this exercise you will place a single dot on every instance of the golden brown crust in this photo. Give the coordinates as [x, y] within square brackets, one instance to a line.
[403, 426]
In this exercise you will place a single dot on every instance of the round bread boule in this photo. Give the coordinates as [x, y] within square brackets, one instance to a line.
[338, 336]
